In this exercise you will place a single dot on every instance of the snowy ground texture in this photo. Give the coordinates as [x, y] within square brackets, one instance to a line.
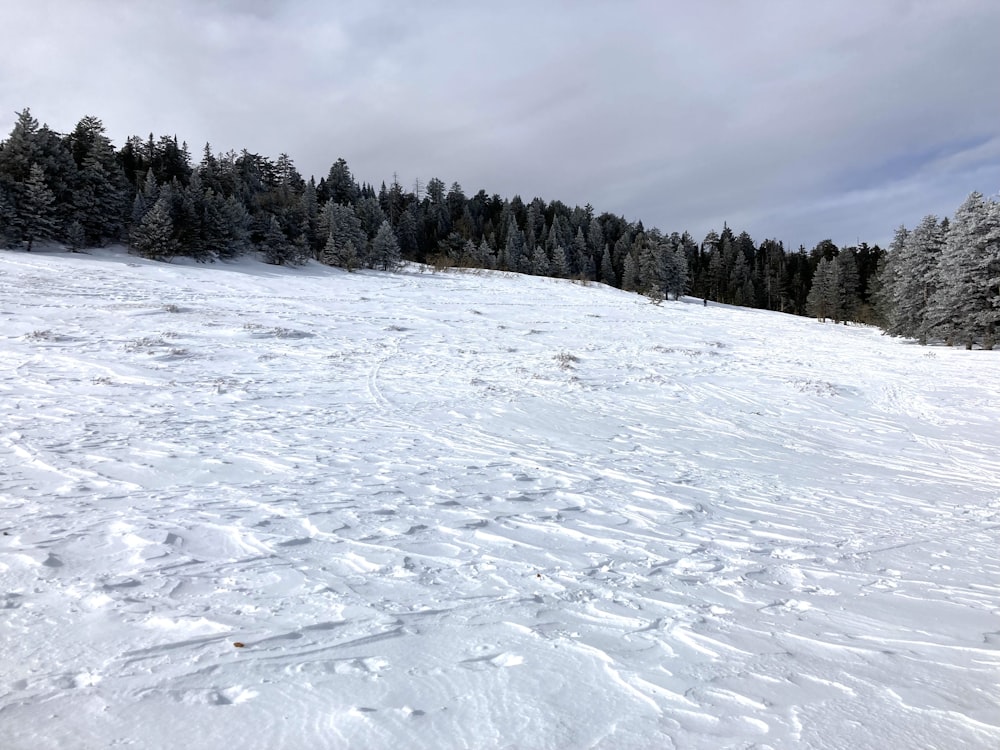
[481, 511]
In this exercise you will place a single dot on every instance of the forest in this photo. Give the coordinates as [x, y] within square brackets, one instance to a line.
[938, 282]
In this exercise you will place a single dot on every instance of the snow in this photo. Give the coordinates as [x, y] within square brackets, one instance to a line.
[473, 510]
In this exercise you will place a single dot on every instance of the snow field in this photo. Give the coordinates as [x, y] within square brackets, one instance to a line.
[477, 510]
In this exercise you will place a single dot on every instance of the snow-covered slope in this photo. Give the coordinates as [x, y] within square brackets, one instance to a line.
[478, 511]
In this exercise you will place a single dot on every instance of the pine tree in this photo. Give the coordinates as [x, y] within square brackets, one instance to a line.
[237, 227]
[510, 257]
[275, 247]
[739, 275]
[370, 214]
[189, 218]
[607, 270]
[21, 150]
[8, 218]
[342, 228]
[675, 271]
[37, 209]
[822, 300]
[847, 285]
[630, 273]
[963, 305]
[76, 236]
[650, 272]
[406, 233]
[309, 209]
[153, 237]
[340, 185]
[916, 280]
[889, 280]
[484, 256]
[386, 248]
[99, 187]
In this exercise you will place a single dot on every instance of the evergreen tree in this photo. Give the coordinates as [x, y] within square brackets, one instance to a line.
[386, 248]
[579, 256]
[540, 261]
[275, 247]
[822, 300]
[215, 227]
[607, 270]
[371, 215]
[406, 233]
[345, 239]
[76, 236]
[650, 272]
[21, 150]
[189, 218]
[739, 276]
[595, 246]
[847, 285]
[484, 256]
[889, 280]
[153, 237]
[340, 185]
[37, 209]
[8, 217]
[630, 273]
[964, 304]
[237, 226]
[309, 210]
[675, 271]
[510, 258]
[916, 281]
[99, 188]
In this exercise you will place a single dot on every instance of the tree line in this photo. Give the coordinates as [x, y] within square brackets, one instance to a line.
[941, 280]
[79, 190]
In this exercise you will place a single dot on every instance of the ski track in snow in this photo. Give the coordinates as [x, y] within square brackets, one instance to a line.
[473, 510]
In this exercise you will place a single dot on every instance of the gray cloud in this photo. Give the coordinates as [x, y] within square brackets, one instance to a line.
[792, 120]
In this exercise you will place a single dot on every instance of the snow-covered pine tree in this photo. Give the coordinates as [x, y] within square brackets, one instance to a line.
[821, 303]
[343, 229]
[385, 248]
[675, 270]
[647, 250]
[483, 256]
[963, 305]
[540, 261]
[916, 279]
[153, 237]
[889, 280]
[630, 273]
[562, 263]
[76, 236]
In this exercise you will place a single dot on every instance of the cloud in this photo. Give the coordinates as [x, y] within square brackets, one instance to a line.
[792, 120]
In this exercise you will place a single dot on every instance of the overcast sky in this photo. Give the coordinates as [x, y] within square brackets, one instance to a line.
[790, 119]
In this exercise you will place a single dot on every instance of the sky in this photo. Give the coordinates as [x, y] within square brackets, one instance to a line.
[790, 120]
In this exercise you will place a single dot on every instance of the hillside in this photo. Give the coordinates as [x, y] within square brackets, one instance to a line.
[481, 510]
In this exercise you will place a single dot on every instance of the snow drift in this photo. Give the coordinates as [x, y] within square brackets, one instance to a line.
[298, 508]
